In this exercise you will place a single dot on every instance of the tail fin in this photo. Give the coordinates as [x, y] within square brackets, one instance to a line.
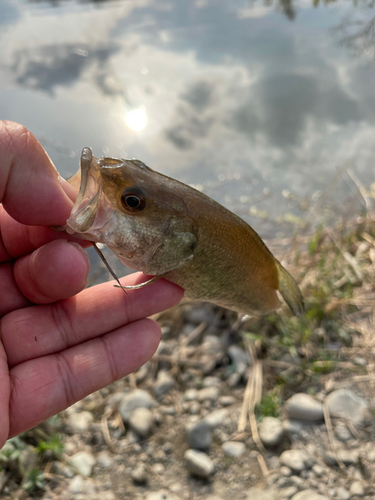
[290, 291]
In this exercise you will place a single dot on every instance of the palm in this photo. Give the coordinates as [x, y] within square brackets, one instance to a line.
[59, 343]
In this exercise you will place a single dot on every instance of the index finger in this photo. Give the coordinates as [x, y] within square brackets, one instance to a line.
[30, 187]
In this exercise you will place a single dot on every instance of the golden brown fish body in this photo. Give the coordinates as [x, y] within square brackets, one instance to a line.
[163, 227]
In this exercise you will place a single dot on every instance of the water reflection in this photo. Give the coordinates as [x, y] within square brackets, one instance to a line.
[46, 67]
[202, 91]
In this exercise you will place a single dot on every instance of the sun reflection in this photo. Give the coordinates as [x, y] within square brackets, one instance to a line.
[136, 119]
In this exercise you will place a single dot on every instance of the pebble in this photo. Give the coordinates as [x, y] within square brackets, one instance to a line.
[80, 422]
[343, 403]
[199, 463]
[258, 494]
[285, 471]
[135, 399]
[190, 395]
[216, 418]
[292, 426]
[318, 470]
[161, 495]
[208, 393]
[83, 462]
[357, 489]
[227, 400]
[342, 494]
[164, 383]
[302, 406]
[76, 485]
[199, 435]
[234, 448]
[297, 460]
[62, 469]
[239, 358]
[104, 459]
[309, 495]
[342, 432]
[289, 492]
[141, 421]
[139, 474]
[271, 431]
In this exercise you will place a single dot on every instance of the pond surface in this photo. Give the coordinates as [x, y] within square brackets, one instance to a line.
[257, 103]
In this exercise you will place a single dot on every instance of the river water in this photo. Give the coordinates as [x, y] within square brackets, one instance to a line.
[258, 104]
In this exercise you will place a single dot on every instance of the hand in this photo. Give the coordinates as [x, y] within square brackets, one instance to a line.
[58, 343]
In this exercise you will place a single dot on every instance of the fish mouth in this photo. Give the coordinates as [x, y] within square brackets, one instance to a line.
[85, 210]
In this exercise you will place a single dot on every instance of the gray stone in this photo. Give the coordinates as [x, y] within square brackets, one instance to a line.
[80, 422]
[141, 421]
[342, 432]
[163, 384]
[191, 395]
[302, 406]
[216, 418]
[104, 459]
[343, 403]
[234, 448]
[83, 462]
[199, 435]
[198, 463]
[347, 457]
[62, 469]
[357, 489]
[271, 431]
[208, 393]
[309, 495]
[297, 460]
[292, 426]
[139, 474]
[239, 358]
[258, 494]
[135, 399]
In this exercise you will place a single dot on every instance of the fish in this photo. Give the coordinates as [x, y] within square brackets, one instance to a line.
[167, 229]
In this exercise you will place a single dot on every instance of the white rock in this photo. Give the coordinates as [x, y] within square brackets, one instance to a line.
[141, 421]
[302, 406]
[297, 460]
[234, 448]
[258, 494]
[80, 422]
[104, 459]
[76, 485]
[209, 393]
[357, 489]
[135, 399]
[198, 463]
[215, 418]
[271, 431]
[83, 462]
[342, 494]
[309, 495]
[343, 403]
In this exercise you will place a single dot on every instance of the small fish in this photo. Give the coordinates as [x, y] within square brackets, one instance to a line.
[167, 229]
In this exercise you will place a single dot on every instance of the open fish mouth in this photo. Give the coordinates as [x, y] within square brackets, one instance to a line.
[85, 208]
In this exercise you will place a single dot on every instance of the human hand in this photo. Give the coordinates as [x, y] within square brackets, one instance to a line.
[58, 342]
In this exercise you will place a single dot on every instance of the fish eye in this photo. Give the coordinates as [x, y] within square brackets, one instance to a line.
[133, 200]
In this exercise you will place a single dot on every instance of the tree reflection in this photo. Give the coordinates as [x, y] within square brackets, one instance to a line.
[358, 37]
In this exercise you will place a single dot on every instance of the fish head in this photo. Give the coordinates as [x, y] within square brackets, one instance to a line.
[136, 211]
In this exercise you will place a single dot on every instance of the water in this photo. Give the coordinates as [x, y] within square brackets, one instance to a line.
[257, 103]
